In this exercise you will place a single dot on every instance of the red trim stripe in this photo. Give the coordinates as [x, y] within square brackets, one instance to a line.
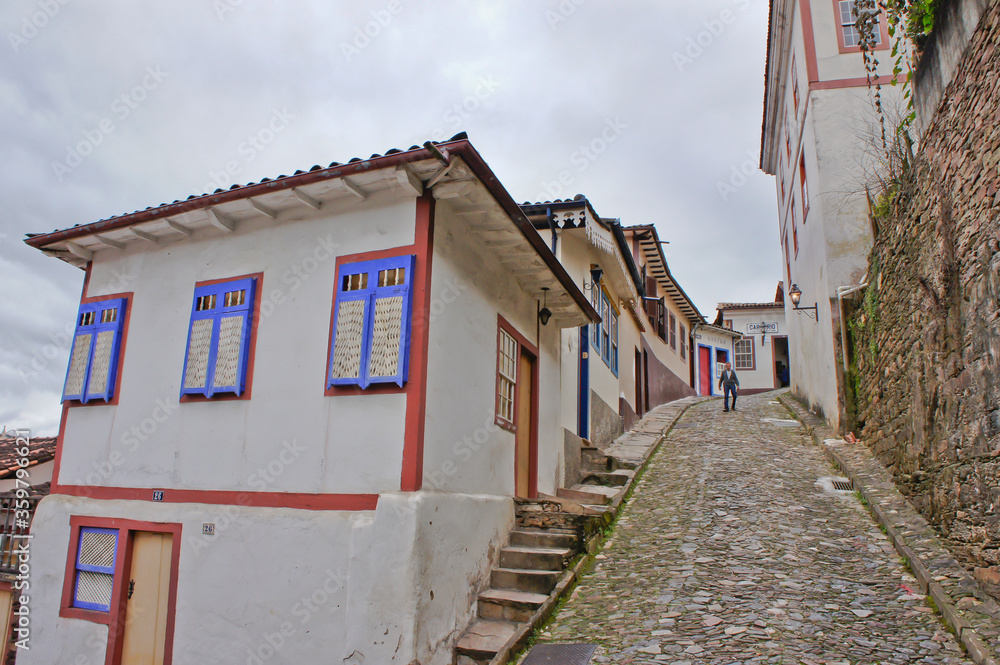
[300, 501]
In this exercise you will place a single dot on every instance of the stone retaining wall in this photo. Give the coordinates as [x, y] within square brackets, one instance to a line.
[926, 332]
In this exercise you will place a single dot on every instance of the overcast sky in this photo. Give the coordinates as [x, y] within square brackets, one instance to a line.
[650, 108]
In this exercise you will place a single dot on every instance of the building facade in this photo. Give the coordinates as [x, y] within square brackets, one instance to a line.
[817, 133]
[295, 416]
[760, 352]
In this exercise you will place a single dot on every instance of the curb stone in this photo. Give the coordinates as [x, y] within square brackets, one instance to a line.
[938, 572]
[593, 546]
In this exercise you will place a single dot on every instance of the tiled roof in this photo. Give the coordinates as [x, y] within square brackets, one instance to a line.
[749, 305]
[461, 136]
[40, 449]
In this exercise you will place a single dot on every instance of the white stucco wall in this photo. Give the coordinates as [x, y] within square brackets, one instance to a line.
[715, 341]
[763, 374]
[464, 451]
[151, 440]
[335, 583]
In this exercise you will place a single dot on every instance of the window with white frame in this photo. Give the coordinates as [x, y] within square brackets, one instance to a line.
[744, 350]
[218, 346]
[848, 24]
[93, 360]
[507, 356]
[372, 323]
[94, 569]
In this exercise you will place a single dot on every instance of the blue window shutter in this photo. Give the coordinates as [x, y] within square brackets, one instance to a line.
[372, 323]
[218, 345]
[93, 362]
[96, 556]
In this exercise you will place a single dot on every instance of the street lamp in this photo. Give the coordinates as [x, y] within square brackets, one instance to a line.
[796, 294]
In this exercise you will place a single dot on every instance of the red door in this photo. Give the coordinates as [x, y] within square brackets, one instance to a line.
[705, 368]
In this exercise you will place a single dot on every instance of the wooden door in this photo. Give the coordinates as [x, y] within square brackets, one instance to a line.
[524, 439]
[145, 627]
[638, 384]
[705, 368]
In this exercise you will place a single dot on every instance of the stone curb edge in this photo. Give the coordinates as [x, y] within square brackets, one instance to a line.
[590, 549]
[979, 651]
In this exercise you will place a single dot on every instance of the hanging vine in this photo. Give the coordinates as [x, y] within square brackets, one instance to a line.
[910, 22]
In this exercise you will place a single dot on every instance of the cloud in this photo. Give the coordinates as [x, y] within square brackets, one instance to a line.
[224, 73]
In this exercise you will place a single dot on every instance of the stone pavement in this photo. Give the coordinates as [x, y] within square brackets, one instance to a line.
[732, 551]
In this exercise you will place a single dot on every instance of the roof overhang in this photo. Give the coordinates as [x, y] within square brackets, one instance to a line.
[452, 171]
[780, 15]
[649, 245]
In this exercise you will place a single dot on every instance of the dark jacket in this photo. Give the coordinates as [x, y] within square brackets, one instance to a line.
[729, 378]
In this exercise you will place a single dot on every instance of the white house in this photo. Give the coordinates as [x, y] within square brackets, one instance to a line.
[712, 347]
[760, 353]
[817, 111]
[295, 416]
[637, 357]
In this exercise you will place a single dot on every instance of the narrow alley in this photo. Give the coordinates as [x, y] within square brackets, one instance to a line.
[733, 551]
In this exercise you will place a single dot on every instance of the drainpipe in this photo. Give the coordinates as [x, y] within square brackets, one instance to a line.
[695, 357]
[841, 292]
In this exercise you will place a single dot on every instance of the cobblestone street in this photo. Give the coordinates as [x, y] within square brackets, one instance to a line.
[731, 551]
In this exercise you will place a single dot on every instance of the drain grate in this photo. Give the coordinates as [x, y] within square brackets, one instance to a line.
[560, 654]
[843, 485]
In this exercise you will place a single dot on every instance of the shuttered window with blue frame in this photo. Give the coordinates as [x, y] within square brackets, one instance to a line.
[372, 323]
[93, 360]
[218, 345]
[96, 555]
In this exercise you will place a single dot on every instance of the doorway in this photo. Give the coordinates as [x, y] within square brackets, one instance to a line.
[526, 426]
[638, 384]
[782, 370]
[705, 370]
[146, 603]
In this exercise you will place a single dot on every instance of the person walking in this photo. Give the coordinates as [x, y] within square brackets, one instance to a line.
[731, 384]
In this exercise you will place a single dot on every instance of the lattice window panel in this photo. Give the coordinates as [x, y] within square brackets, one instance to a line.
[78, 364]
[347, 342]
[227, 360]
[94, 588]
[387, 329]
[97, 548]
[101, 365]
[197, 360]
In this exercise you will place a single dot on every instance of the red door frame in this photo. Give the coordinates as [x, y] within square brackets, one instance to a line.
[116, 618]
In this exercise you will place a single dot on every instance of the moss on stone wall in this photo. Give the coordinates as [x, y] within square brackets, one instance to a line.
[925, 334]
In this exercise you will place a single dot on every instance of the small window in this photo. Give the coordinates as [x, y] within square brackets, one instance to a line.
[606, 332]
[795, 230]
[795, 87]
[507, 355]
[683, 342]
[93, 360]
[744, 350]
[788, 263]
[218, 345]
[804, 186]
[850, 38]
[94, 568]
[673, 332]
[727, 324]
[371, 323]
[614, 342]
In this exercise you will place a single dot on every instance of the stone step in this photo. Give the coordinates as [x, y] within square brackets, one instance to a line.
[614, 479]
[523, 579]
[575, 507]
[583, 497]
[509, 604]
[483, 640]
[609, 493]
[597, 460]
[542, 538]
[535, 558]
